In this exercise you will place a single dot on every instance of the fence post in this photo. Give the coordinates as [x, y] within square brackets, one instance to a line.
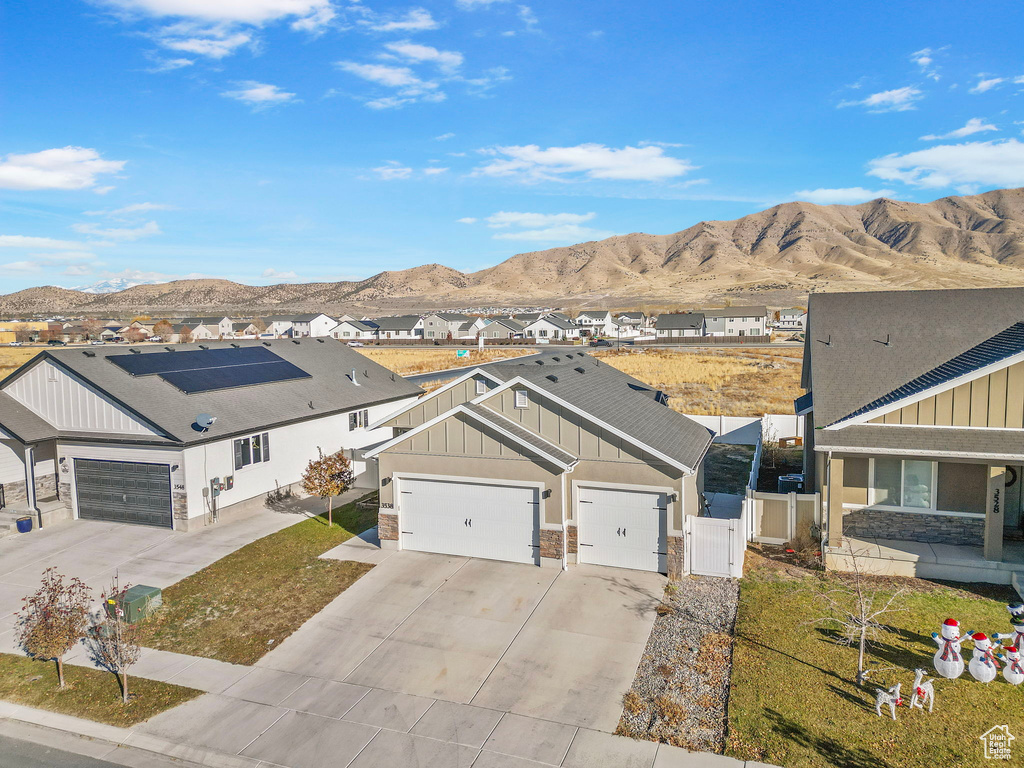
[792, 514]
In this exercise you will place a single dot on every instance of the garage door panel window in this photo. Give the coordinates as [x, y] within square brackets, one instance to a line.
[252, 450]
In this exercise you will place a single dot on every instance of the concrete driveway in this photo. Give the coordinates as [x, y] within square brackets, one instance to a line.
[558, 645]
[96, 551]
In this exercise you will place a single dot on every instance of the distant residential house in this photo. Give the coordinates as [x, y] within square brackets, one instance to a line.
[635, 319]
[503, 328]
[680, 325]
[221, 324]
[108, 333]
[400, 327]
[311, 324]
[596, 322]
[441, 325]
[551, 327]
[794, 319]
[736, 321]
[202, 332]
[244, 330]
[355, 330]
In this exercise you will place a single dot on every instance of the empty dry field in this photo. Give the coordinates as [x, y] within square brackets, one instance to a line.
[720, 382]
[408, 361]
[13, 357]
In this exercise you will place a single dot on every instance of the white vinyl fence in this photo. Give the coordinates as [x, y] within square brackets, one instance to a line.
[714, 547]
[775, 518]
[746, 430]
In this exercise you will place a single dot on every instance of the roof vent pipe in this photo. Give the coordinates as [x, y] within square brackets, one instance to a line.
[355, 379]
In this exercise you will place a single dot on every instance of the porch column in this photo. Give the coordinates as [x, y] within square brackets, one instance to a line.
[995, 504]
[834, 471]
[30, 477]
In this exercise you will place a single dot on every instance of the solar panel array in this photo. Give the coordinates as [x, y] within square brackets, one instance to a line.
[208, 370]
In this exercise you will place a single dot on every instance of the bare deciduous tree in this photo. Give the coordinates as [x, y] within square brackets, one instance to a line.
[54, 618]
[115, 642]
[134, 335]
[855, 606]
[185, 337]
[327, 477]
[92, 327]
[771, 448]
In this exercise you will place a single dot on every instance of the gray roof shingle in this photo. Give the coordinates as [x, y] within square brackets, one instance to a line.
[688, 320]
[925, 441]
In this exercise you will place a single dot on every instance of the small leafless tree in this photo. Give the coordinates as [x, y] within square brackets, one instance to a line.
[185, 337]
[771, 448]
[92, 327]
[855, 606]
[135, 335]
[115, 642]
[54, 618]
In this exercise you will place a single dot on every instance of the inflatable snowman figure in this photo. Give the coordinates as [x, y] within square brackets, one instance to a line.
[949, 660]
[983, 666]
[1013, 672]
[1015, 638]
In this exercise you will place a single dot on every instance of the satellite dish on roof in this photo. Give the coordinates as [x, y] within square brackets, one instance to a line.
[204, 421]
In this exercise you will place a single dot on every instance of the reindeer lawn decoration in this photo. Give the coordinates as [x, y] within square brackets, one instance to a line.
[924, 691]
[890, 697]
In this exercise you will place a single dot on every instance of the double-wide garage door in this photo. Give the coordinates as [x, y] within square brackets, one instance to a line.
[124, 492]
[625, 529]
[497, 522]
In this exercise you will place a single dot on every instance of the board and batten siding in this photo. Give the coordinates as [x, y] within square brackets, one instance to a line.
[12, 462]
[995, 400]
[433, 406]
[68, 403]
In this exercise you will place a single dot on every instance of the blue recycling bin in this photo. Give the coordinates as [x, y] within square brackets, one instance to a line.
[24, 524]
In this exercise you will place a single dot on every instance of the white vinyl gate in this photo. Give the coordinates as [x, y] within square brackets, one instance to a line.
[622, 528]
[714, 547]
[451, 517]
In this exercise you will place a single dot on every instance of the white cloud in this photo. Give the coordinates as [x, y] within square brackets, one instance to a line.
[986, 84]
[564, 233]
[592, 161]
[259, 95]
[503, 219]
[213, 42]
[77, 270]
[528, 17]
[133, 208]
[22, 266]
[244, 11]
[169, 65]
[896, 100]
[447, 61]
[444, 137]
[393, 170]
[434, 171]
[466, 220]
[989, 163]
[974, 125]
[273, 274]
[925, 59]
[118, 233]
[474, 4]
[415, 20]
[23, 241]
[842, 196]
[64, 168]
[409, 87]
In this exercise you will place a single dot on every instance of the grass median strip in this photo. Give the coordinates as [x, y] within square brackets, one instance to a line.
[245, 604]
[92, 694]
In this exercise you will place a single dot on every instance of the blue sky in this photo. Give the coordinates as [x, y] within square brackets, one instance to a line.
[303, 140]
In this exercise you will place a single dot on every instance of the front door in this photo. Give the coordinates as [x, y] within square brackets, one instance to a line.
[1013, 518]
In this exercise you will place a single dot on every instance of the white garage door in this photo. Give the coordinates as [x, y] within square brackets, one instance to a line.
[497, 522]
[625, 529]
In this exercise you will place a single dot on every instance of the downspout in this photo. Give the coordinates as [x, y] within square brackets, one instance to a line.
[565, 521]
[30, 480]
[826, 517]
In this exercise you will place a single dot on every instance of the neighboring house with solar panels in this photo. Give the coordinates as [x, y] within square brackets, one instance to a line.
[549, 462]
[914, 430]
[116, 434]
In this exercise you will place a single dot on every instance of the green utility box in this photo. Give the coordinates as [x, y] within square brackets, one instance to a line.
[137, 603]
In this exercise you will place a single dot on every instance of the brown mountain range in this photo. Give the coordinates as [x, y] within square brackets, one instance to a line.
[774, 257]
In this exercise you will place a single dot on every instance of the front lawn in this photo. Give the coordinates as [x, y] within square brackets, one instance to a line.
[793, 702]
[245, 604]
[90, 693]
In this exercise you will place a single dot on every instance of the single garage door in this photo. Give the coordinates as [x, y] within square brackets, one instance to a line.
[625, 529]
[497, 522]
[124, 492]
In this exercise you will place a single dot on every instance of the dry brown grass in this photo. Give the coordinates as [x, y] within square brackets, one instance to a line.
[408, 361]
[13, 357]
[727, 382]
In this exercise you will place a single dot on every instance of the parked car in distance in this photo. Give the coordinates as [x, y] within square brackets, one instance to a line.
[97, 341]
[154, 338]
[16, 344]
[600, 343]
[355, 343]
[56, 343]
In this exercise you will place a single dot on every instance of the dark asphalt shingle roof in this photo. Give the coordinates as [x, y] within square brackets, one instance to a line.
[564, 325]
[522, 434]
[611, 396]
[398, 323]
[926, 441]
[752, 311]
[22, 423]
[924, 330]
[688, 321]
[329, 388]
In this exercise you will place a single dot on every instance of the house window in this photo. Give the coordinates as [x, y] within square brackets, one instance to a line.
[522, 398]
[252, 450]
[358, 419]
[481, 387]
[903, 483]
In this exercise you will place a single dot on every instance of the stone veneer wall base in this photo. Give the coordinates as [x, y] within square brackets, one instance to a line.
[914, 526]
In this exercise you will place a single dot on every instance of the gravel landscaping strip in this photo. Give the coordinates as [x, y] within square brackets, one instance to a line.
[680, 693]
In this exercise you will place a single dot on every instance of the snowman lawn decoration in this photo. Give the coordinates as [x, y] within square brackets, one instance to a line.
[948, 660]
[983, 666]
[1015, 638]
[1013, 672]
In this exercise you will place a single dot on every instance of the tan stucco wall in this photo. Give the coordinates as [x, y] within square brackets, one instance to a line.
[996, 400]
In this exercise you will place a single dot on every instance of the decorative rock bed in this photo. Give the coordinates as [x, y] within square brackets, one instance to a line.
[680, 693]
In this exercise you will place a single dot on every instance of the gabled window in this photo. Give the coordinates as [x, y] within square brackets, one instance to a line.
[522, 398]
[481, 387]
